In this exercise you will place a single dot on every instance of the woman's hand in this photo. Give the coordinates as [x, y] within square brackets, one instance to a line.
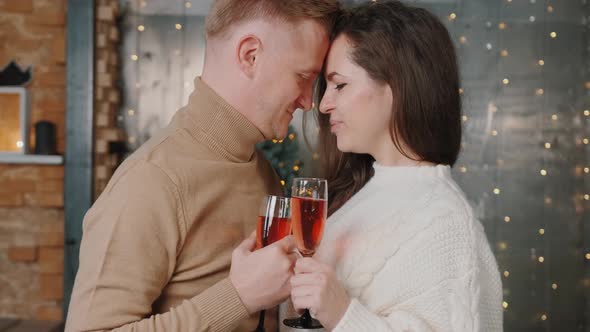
[315, 287]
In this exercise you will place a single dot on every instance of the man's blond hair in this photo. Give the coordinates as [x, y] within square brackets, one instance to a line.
[227, 13]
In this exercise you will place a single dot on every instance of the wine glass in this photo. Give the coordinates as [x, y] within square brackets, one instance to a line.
[274, 223]
[309, 211]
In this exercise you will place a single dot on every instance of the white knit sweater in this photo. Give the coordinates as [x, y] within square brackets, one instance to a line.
[412, 256]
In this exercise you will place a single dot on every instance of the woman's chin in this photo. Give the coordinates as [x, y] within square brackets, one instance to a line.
[342, 145]
[345, 145]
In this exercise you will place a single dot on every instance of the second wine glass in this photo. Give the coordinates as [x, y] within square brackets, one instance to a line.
[309, 211]
[274, 223]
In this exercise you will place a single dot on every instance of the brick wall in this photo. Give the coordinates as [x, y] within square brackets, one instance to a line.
[31, 197]
[107, 97]
[31, 241]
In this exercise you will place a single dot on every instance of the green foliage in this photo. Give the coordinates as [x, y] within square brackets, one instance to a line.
[283, 156]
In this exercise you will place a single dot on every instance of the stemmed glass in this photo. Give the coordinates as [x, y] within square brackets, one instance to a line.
[309, 211]
[274, 223]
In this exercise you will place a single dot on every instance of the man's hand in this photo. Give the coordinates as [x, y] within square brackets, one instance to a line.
[262, 277]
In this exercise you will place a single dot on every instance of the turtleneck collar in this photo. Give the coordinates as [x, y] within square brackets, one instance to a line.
[227, 131]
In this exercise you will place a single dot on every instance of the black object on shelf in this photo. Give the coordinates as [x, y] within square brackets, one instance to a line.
[45, 143]
[13, 75]
[120, 150]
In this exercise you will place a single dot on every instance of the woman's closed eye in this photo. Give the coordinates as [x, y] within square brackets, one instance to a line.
[340, 86]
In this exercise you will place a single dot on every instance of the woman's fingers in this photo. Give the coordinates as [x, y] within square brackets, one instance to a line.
[306, 279]
[303, 291]
[303, 302]
[307, 265]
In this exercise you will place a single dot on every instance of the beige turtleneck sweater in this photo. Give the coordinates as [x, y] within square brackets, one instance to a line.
[156, 246]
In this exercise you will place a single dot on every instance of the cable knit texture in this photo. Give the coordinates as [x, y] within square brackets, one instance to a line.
[412, 256]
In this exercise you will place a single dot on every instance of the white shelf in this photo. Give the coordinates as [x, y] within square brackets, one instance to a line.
[17, 158]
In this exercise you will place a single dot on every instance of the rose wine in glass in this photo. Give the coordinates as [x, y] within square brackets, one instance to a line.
[309, 211]
[274, 223]
[271, 229]
[310, 216]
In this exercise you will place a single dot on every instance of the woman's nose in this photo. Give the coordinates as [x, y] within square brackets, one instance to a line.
[326, 105]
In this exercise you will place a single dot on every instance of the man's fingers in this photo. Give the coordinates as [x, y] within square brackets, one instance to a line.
[248, 244]
[287, 244]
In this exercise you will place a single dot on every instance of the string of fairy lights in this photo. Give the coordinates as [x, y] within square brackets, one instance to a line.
[540, 93]
[132, 126]
[140, 26]
[541, 251]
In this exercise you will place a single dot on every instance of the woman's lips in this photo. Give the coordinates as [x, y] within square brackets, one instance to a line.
[335, 126]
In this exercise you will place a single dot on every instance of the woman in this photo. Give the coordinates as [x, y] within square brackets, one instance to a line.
[402, 250]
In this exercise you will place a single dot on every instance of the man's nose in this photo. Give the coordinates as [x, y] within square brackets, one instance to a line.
[305, 100]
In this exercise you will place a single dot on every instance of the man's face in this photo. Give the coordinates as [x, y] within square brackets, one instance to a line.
[293, 58]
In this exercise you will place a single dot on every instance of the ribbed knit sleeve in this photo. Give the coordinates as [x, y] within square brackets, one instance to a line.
[131, 239]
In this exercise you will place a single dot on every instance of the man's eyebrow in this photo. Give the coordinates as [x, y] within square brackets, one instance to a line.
[312, 71]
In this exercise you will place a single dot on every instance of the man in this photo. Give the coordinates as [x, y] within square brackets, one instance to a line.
[157, 244]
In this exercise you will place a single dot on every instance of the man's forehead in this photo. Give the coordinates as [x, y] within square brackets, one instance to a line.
[313, 62]
[305, 44]
[314, 48]
[309, 32]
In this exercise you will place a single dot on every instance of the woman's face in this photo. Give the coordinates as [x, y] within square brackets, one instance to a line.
[359, 107]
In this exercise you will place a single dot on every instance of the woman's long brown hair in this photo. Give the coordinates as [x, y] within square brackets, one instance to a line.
[410, 50]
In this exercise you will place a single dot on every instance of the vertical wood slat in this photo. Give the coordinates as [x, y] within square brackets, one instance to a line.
[79, 131]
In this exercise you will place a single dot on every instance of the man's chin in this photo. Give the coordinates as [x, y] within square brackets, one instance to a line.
[281, 133]
[280, 137]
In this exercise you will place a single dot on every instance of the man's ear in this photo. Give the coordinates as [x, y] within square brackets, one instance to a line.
[248, 49]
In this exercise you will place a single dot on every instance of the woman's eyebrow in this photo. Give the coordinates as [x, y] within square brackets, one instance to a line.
[331, 75]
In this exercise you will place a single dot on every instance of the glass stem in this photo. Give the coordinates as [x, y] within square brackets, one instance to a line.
[306, 318]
